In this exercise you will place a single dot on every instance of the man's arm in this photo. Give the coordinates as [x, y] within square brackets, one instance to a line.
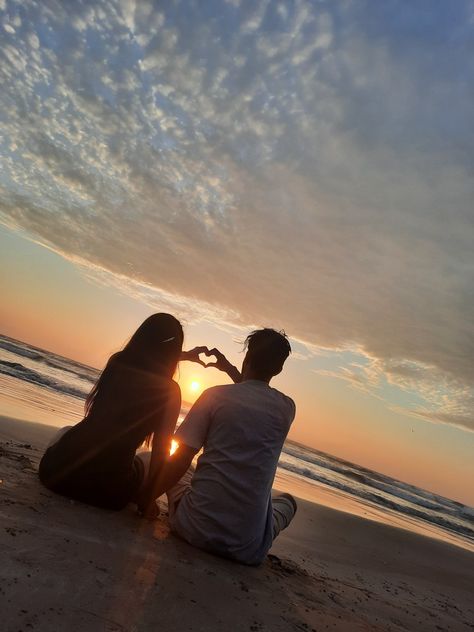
[223, 364]
[165, 477]
[175, 467]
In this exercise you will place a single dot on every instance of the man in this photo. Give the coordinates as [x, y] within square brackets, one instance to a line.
[225, 507]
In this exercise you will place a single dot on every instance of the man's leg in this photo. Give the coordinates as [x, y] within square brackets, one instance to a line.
[176, 493]
[284, 509]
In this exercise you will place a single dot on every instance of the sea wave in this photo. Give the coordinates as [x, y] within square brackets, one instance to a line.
[455, 524]
[371, 479]
[50, 359]
[15, 369]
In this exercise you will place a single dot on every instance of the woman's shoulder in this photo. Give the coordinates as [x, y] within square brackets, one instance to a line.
[174, 389]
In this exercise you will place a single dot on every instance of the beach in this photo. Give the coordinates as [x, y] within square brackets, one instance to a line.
[72, 567]
[238, 234]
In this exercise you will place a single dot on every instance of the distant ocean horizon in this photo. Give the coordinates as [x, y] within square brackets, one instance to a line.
[52, 384]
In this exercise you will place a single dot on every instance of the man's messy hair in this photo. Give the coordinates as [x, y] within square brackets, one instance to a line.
[267, 350]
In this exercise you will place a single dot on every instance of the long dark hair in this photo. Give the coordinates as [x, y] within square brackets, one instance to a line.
[154, 349]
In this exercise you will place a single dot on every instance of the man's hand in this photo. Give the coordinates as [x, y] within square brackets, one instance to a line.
[193, 355]
[223, 364]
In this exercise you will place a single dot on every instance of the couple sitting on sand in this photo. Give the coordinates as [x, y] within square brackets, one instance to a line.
[224, 506]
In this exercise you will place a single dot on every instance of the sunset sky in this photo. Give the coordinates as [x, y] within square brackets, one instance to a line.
[300, 165]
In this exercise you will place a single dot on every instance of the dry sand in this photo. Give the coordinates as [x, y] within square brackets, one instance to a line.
[68, 566]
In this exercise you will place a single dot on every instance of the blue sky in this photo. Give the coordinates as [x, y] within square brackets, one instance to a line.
[306, 165]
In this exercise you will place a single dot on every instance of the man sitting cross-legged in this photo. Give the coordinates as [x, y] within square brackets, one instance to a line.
[225, 506]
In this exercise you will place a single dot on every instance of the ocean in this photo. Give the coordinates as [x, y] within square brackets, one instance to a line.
[38, 385]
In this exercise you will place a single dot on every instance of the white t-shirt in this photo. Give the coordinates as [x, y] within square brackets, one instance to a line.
[228, 509]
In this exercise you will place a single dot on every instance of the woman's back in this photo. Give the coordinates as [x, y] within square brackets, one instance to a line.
[94, 460]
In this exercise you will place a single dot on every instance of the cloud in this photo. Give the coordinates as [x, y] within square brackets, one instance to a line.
[463, 421]
[446, 399]
[426, 391]
[307, 166]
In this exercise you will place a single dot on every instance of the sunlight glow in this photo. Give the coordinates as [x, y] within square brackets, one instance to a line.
[195, 386]
[174, 446]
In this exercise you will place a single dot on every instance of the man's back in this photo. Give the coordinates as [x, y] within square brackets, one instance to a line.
[228, 508]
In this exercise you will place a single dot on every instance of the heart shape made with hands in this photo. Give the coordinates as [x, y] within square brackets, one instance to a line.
[196, 353]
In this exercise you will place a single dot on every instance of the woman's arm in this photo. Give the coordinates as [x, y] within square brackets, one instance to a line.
[160, 452]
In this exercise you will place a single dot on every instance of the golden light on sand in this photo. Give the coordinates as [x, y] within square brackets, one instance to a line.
[174, 446]
[195, 386]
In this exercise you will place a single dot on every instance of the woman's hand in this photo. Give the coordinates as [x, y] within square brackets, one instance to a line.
[148, 510]
[193, 355]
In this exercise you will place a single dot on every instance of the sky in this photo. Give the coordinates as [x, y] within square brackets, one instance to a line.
[300, 165]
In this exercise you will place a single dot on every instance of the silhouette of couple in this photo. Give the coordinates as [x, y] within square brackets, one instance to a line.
[224, 505]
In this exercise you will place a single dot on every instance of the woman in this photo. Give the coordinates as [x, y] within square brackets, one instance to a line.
[135, 399]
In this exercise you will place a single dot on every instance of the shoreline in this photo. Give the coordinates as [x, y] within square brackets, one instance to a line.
[71, 566]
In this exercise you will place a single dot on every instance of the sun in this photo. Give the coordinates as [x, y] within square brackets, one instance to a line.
[195, 386]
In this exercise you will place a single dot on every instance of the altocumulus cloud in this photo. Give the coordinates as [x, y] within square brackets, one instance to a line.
[303, 164]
